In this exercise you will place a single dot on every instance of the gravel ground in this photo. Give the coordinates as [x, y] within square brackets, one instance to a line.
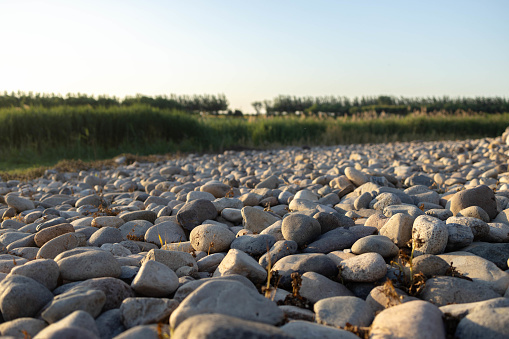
[381, 241]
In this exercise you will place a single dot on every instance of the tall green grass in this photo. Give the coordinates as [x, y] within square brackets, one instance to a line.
[39, 136]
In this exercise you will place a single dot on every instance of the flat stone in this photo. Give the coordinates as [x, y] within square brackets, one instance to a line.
[187, 288]
[21, 296]
[461, 310]
[254, 244]
[142, 311]
[105, 235]
[45, 235]
[173, 259]
[486, 323]
[448, 290]
[480, 270]
[138, 215]
[155, 279]
[299, 329]
[44, 271]
[20, 204]
[414, 319]
[302, 263]
[238, 262]
[256, 220]
[109, 323]
[338, 311]
[219, 326]
[91, 301]
[496, 253]
[316, 287]
[165, 232]
[17, 327]
[367, 267]
[76, 319]
[229, 298]
[115, 290]
[279, 250]
[481, 196]
[300, 228]
[375, 243]
[87, 265]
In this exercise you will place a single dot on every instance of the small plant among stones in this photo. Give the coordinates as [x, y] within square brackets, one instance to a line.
[361, 332]
[295, 299]
[230, 193]
[453, 272]
[132, 236]
[411, 282]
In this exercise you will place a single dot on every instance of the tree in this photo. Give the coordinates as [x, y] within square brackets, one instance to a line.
[257, 105]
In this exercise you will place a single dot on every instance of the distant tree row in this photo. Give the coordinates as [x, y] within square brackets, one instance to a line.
[337, 106]
[196, 103]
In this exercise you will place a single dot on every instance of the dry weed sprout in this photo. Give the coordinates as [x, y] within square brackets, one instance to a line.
[361, 332]
[412, 283]
[295, 299]
[230, 193]
[453, 272]
[163, 332]
[267, 208]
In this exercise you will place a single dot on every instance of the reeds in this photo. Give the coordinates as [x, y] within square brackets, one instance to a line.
[42, 136]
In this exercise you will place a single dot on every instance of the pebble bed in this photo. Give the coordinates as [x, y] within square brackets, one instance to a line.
[380, 241]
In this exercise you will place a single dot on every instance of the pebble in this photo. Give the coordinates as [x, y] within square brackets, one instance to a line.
[375, 244]
[300, 228]
[445, 290]
[22, 296]
[316, 287]
[222, 326]
[481, 196]
[87, 265]
[238, 262]
[229, 298]
[304, 329]
[142, 311]
[367, 267]
[338, 311]
[211, 238]
[429, 235]
[257, 220]
[356, 204]
[155, 280]
[413, 319]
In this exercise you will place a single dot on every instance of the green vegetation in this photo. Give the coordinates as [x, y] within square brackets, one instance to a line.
[43, 136]
[339, 106]
[196, 103]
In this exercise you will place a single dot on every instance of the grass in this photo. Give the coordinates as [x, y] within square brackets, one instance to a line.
[35, 137]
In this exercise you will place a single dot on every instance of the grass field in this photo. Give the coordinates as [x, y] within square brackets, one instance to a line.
[41, 137]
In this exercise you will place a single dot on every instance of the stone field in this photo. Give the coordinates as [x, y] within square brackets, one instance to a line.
[401, 240]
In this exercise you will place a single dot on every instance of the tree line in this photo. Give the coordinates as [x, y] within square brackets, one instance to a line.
[196, 103]
[280, 105]
[339, 106]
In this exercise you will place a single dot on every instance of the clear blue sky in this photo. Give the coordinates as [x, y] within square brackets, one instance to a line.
[255, 50]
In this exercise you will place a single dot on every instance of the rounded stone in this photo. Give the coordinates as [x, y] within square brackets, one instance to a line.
[481, 196]
[211, 238]
[155, 280]
[429, 235]
[367, 267]
[300, 228]
[375, 243]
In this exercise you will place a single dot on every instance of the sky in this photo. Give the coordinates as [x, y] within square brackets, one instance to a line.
[256, 50]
